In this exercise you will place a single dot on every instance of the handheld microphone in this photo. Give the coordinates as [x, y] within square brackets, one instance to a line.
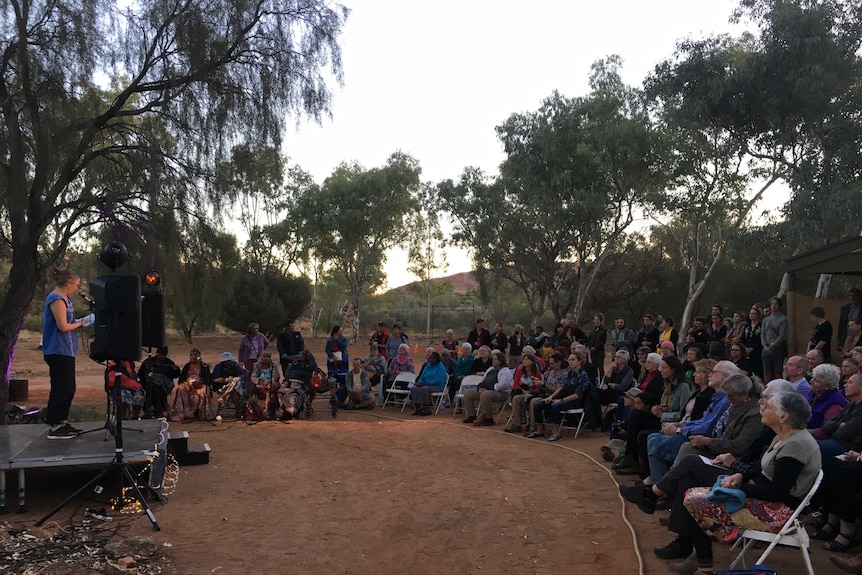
[88, 299]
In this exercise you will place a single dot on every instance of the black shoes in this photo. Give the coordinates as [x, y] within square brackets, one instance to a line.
[676, 549]
[469, 419]
[63, 432]
[640, 495]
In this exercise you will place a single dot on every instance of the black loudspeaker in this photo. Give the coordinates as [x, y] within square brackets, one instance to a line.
[152, 319]
[118, 318]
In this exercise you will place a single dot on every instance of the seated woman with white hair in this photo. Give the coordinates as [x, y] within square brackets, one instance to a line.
[401, 363]
[825, 399]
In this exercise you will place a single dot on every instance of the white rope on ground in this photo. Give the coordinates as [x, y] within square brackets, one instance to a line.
[557, 444]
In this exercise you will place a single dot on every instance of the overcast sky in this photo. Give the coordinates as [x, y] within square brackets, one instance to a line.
[434, 78]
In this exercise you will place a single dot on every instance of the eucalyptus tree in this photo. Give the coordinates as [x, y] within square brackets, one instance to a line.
[355, 216]
[575, 173]
[747, 112]
[213, 73]
[426, 253]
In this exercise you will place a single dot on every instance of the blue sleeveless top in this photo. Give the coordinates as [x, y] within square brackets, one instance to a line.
[55, 342]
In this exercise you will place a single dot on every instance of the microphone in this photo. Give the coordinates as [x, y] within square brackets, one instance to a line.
[90, 301]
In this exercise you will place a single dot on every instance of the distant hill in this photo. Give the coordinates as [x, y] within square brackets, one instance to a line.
[461, 283]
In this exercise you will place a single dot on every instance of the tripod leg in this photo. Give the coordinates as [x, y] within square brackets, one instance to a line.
[133, 484]
[83, 488]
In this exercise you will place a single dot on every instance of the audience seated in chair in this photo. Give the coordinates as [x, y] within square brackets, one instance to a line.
[431, 379]
[486, 395]
[229, 382]
[157, 375]
[570, 395]
[266, 379]
[131, 392]
[193, 398]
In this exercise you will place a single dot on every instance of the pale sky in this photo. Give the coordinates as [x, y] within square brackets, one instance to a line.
[433, 79]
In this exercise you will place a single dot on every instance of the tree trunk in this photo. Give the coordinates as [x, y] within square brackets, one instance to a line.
[823, 285]
[356, 295]
[23, 279]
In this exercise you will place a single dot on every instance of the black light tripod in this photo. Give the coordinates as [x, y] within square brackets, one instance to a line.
[126, 476]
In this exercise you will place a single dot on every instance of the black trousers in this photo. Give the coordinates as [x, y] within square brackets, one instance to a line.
[61, 370]
[842, 482]
[691, 472]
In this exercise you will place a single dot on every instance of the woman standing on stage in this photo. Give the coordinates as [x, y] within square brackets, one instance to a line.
[59, 347]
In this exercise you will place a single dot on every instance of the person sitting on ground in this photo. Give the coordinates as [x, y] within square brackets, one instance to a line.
[157, 375]
[431, 379]
[266, 378]
[228, 382]
[570, 395]
[843, 432]
[825, 399]
[131, 391]
[641, 420]
[463, 368]
[375, 365]
[486, 394]
[526, 383]
[359, 387]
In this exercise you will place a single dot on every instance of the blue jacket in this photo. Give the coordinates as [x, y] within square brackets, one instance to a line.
[433, 375]
[706, 424]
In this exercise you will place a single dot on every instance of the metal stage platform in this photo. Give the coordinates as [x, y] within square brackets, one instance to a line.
[26, 446]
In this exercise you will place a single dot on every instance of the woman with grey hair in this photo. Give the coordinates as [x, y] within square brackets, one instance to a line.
[787, 471]
[825, 399]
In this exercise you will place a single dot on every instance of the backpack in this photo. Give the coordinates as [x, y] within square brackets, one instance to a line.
[253, 411]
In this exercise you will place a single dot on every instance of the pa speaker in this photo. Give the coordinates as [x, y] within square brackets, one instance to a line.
[118, 318]
[152, 319]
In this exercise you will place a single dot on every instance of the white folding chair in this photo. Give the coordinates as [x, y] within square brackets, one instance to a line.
[498, 417]
[792, 534]
[438, 396]
[566, 413]
[468, 382]
[396, 395]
